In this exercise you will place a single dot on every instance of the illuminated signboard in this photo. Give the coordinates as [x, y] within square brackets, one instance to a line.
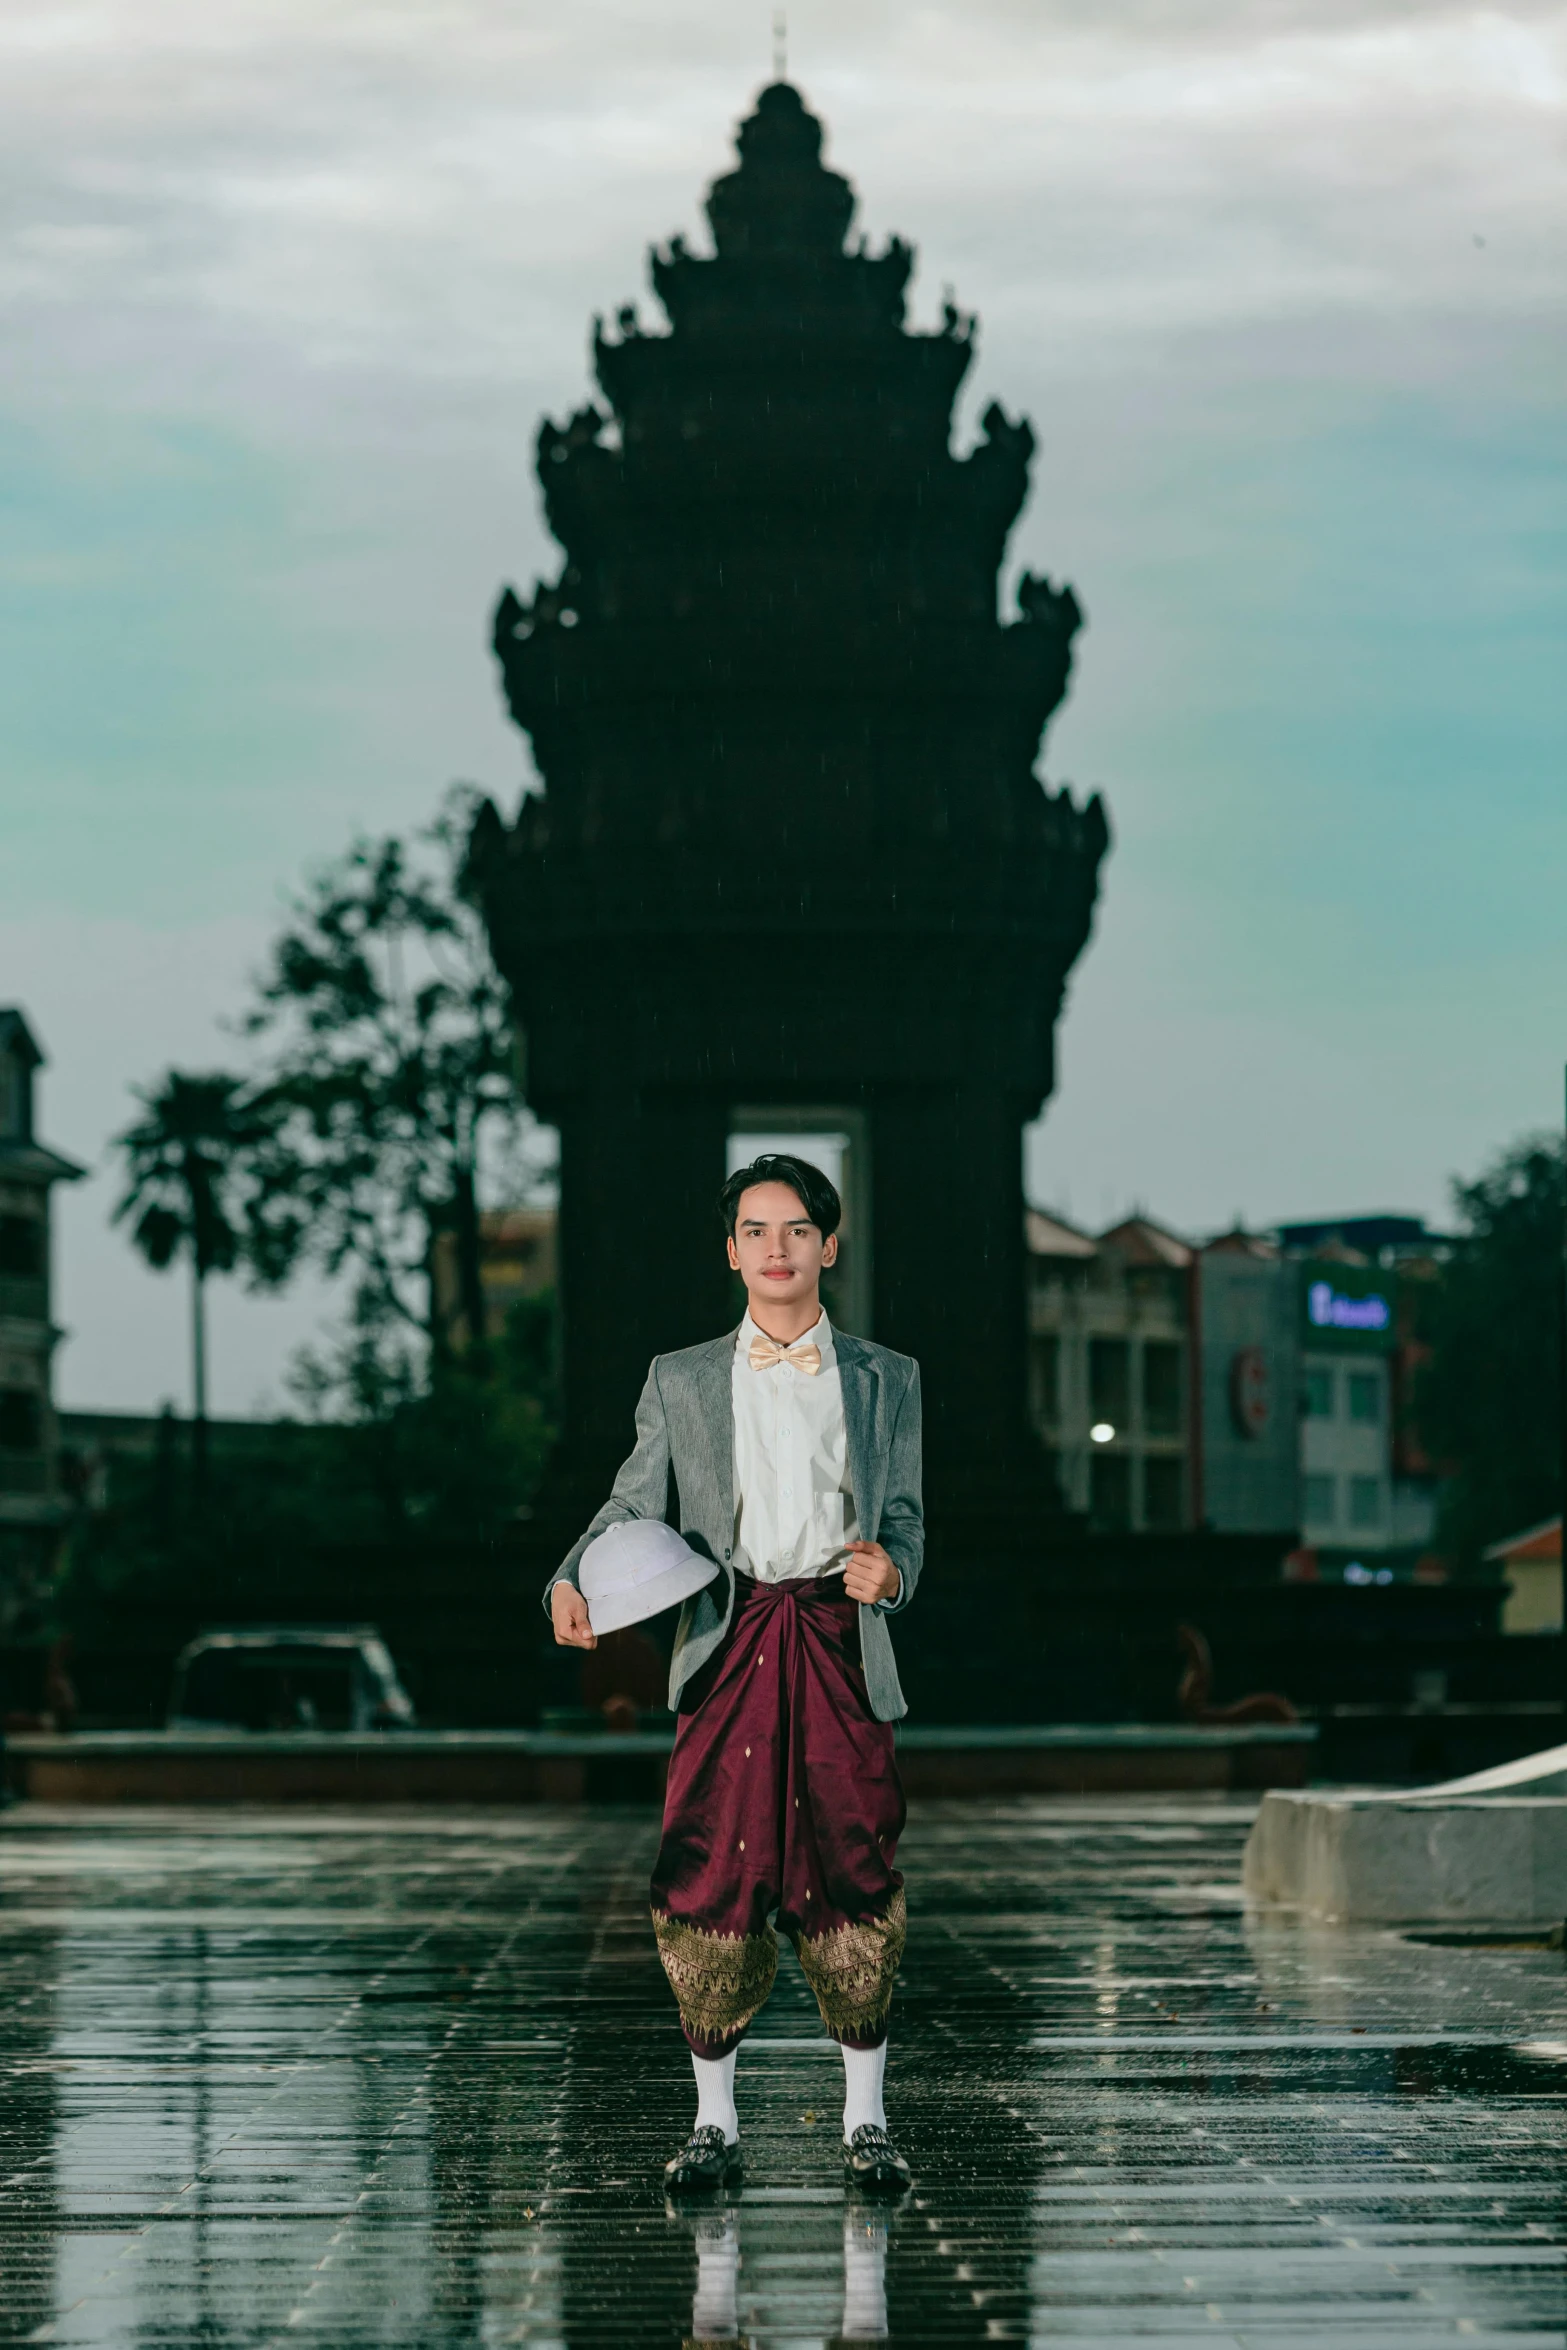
[1329, 1308]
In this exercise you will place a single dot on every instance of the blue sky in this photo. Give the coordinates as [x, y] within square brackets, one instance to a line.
[286, 287]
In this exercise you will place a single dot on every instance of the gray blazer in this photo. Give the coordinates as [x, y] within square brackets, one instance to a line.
[685, 1422]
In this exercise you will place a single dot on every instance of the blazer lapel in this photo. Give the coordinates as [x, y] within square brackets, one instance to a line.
[859, 1379]
[715, 1404]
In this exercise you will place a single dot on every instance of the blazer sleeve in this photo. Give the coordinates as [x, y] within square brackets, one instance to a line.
[902, 1534]
[641, 1489]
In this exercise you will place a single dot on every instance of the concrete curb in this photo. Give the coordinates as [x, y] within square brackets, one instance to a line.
[1488, 1849]
[548, 1766]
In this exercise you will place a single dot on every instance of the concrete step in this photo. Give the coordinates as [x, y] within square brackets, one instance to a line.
[1487, 1849]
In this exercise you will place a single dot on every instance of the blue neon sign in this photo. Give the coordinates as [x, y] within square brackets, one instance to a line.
[1328, 1308]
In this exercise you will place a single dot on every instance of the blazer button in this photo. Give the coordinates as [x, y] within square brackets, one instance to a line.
[726, 1554]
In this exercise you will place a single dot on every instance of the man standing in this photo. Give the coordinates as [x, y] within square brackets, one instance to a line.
[796, 1456]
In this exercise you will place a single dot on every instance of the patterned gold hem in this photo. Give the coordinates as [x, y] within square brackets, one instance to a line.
[851, 1968]
[719, 1980]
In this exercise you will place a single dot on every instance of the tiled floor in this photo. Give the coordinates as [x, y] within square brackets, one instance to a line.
[407, 2080]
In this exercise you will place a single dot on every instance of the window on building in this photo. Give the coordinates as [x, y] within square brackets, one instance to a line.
[1319, 1393]
[1162, 1282]
[1059, 1273]
[1365, 1502]
[21, 1420]
[1047, 1381]
[21, 1247]
[1319, 1501]
[1110, 1490]
[1162, 1497]
[1110, 1381]
[1365, 1396]
[1161, 1387]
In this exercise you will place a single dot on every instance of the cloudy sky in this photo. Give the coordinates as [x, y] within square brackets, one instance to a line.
[287, 283]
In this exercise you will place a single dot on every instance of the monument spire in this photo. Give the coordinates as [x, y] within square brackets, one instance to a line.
[780, 720]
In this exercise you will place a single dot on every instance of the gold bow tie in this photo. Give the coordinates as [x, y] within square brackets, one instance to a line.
[805, 1355]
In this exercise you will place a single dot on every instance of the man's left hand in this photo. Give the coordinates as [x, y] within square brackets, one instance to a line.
[870, 1574]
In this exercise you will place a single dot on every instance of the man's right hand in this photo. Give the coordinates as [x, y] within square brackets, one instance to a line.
[569, 1614]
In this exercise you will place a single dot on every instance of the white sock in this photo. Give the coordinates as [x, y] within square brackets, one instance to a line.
[862, 2078]
[715, 2093]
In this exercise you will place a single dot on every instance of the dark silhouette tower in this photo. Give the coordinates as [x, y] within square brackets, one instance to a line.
[791, 853]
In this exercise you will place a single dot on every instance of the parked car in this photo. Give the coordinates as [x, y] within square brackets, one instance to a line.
[288, 1677]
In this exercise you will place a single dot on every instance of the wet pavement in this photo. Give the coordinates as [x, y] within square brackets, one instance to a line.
[407, 2080]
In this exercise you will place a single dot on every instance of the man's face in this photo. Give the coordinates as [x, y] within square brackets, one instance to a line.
[775, 1248]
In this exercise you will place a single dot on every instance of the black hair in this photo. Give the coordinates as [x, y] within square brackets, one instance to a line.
[815, 1194]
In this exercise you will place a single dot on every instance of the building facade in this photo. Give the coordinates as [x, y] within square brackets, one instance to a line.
[1365, 1483]
[516, 1263]
[33, 1507]
[1246, 1441]
[1252, 1384]
[1109, 1368]
[1163, 1377]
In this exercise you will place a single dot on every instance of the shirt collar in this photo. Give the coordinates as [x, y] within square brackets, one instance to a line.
[820, 1333]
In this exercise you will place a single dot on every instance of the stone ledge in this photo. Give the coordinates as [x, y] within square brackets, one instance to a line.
[1490, 1849]
[521, 1766]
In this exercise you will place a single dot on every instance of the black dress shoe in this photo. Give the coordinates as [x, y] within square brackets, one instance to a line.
[705, 2160]
[872, 2163]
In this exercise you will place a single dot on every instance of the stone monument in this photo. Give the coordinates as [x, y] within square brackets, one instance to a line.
[792, 855]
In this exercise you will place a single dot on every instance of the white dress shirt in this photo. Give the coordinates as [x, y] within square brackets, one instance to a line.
[794, 1511]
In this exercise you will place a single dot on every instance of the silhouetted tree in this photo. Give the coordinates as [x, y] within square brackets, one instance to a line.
[190, 1170]
[390, 1074]
[439, 1447]
[1490, 1400]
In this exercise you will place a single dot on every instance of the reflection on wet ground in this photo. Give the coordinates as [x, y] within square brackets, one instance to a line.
[407, 2080]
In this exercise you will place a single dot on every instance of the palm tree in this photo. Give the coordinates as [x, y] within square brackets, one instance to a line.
[184, 1176]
